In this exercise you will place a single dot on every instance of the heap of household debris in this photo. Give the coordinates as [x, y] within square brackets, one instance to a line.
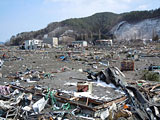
[138, 100]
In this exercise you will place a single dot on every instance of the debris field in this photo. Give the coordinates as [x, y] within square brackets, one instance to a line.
[78, 84]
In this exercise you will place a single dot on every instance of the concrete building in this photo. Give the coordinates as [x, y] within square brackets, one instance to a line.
[104, 42]
[51, 40]
[80, 43]
[32, 44]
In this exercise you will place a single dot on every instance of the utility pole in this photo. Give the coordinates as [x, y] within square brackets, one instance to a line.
[91, 36]
[153, 34]
[86, 36]
[82, 36]
[99, 34]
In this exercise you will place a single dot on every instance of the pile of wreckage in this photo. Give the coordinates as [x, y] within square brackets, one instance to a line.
[140, 101]
[32, 76]
[29, 76]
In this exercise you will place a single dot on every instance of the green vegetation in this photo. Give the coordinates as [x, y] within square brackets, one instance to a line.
[100, 23]
[151, 76]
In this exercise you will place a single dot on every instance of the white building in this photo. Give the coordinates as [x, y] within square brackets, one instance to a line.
[80, 43]
[33, 44]
[105, 42]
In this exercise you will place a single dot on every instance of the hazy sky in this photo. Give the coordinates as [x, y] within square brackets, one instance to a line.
[28, 15]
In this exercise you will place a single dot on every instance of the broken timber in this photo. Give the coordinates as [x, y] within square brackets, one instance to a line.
[97, 104]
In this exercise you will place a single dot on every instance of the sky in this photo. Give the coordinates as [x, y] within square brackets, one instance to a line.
[18, 16]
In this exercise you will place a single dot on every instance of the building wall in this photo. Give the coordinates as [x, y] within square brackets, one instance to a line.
[80, 43]
[48, 41]
[104, 42]
[27, 44]
[33, 44]
[84, 43]
[53, 41]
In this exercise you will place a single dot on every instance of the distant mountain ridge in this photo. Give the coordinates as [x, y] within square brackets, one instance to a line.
[89, 28]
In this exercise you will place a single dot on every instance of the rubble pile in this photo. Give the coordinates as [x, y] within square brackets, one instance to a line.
[140, 100]
[30, 76]
[80, 84]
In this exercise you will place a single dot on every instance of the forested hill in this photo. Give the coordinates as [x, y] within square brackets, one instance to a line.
[98, 23]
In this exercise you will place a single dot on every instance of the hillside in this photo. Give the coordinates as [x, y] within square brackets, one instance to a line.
[105, 23]
[145, 29]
